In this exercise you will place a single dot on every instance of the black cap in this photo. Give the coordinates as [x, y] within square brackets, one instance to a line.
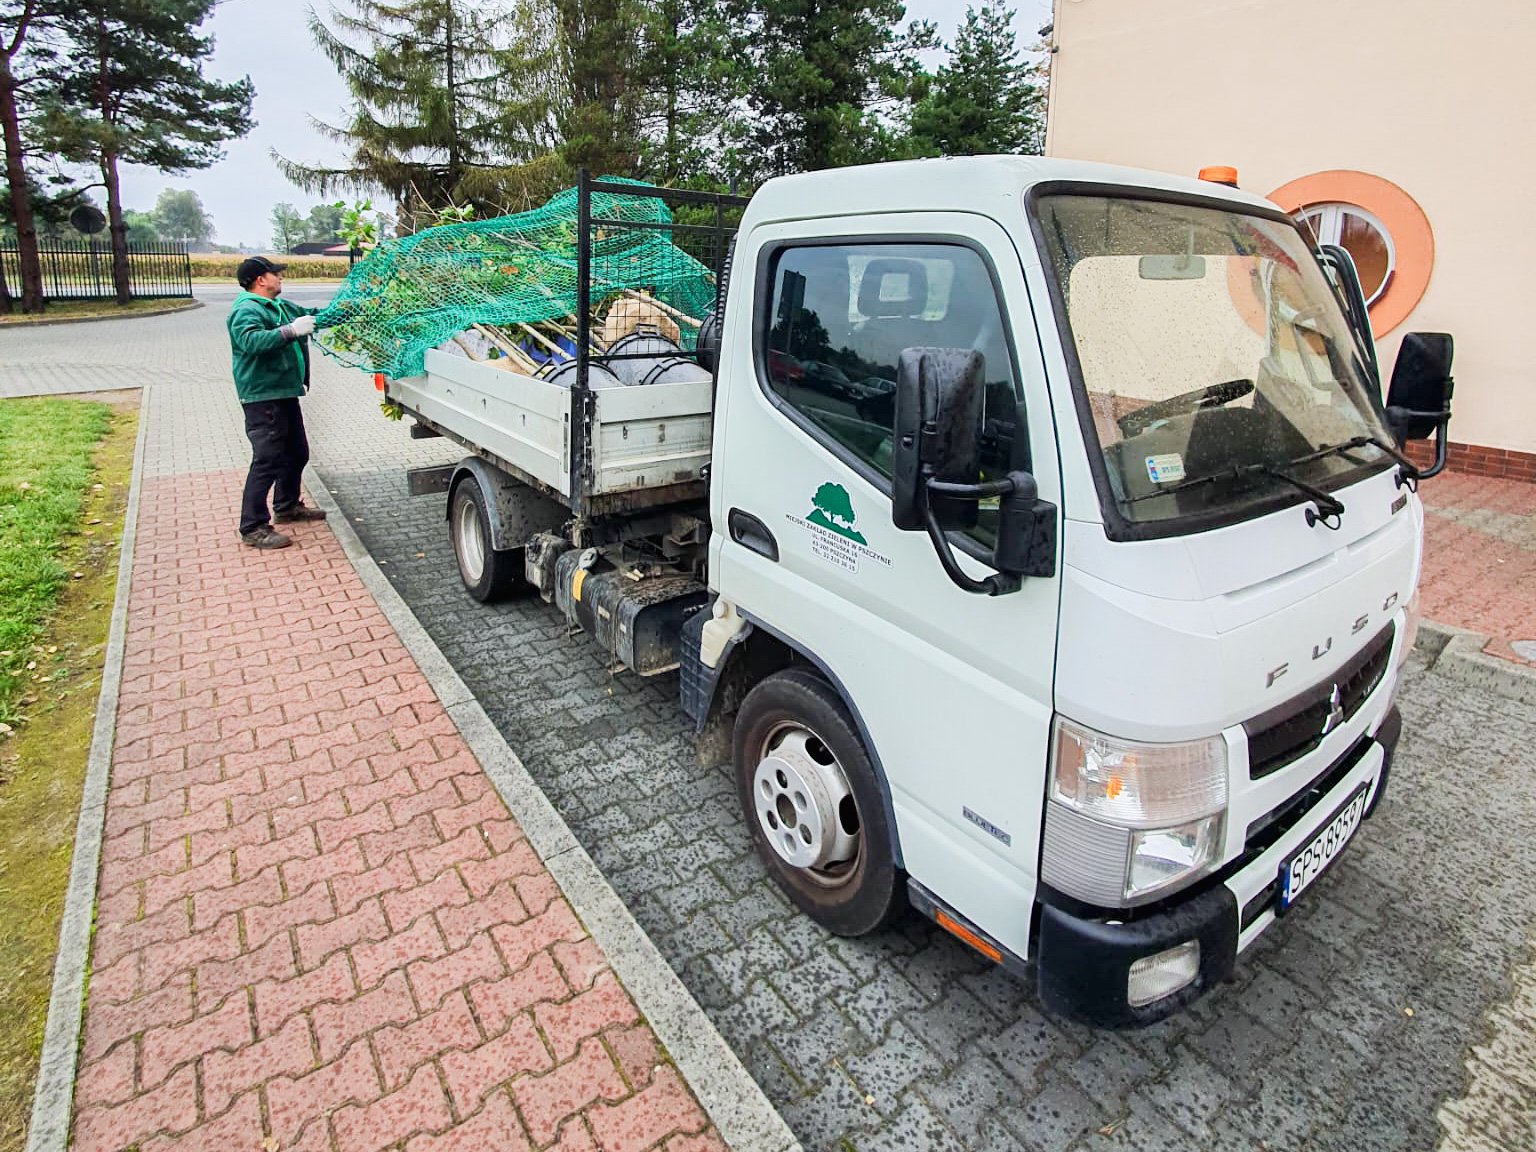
[257, 266]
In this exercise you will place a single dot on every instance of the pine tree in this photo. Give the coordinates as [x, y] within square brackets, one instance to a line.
[452, 97]
[130, 89]
[821, 72]
[984, 100]
[18, 20]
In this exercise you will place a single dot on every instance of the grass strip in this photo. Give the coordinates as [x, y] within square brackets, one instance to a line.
[87, 309]
[42, 764]
[45, 470]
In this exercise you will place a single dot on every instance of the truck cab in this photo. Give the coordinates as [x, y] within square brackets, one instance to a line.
[1062, 563]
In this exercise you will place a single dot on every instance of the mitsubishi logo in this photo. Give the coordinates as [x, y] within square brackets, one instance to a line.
[1335, 711]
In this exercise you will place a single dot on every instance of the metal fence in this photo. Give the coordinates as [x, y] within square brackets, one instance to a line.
[83, 271]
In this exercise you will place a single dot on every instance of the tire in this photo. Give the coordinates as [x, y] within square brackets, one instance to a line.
[487, 574]
[799, 761]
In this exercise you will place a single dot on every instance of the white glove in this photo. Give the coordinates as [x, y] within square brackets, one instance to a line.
[301, 326]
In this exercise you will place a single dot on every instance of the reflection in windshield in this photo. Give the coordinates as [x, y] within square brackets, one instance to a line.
[1209, 345]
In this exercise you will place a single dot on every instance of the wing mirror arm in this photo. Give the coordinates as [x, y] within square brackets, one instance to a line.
[1026, 532]
[1401, 418]
[997, 584]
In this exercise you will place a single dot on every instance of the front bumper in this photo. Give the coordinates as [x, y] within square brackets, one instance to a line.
[1083, 960]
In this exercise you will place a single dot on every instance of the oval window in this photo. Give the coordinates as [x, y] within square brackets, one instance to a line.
[1359, 233]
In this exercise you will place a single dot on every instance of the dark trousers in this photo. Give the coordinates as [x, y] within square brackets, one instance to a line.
[279, 451]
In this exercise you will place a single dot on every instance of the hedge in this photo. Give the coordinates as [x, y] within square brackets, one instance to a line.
[221, 266]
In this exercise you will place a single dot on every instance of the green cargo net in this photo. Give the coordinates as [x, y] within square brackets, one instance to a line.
[508, 285]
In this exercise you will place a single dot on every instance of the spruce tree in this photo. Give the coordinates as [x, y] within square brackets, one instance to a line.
[984, 100]
[692, 71]
[821, 72]
[599, 109]
[452, 98]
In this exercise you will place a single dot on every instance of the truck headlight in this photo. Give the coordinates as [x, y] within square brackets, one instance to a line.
[1129, 819]
[1137, 785]
[1161, 857]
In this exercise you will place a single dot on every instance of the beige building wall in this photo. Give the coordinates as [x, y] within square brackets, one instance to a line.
[1437, 98]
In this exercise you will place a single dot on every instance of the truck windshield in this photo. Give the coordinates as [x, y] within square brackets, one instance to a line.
[1215, 362]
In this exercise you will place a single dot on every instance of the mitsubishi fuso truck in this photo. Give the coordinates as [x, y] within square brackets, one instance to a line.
[1034, 530]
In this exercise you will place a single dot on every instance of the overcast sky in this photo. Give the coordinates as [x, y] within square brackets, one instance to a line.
[269, 41]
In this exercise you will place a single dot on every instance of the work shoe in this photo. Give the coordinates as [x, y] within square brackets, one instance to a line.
[300, 511]
[265, 537]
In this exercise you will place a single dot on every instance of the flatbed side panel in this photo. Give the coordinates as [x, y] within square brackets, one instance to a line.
[509, 415]
[651, 436]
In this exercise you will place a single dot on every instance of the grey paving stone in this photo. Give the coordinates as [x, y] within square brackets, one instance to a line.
[970, 1094]
[913, 1129]
[886, 1070]
[1059, 1114]
[1191, 1093]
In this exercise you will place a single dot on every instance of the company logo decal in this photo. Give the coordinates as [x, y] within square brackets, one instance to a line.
[1335, 711]
[834, 538]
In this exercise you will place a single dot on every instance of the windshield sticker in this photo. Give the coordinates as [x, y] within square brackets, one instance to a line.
[1165, 469]
[830, 523]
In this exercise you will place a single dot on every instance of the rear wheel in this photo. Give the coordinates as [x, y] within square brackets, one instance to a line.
[813, 803]
[487, 573]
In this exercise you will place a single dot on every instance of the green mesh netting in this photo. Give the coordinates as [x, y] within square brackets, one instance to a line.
[420, 291]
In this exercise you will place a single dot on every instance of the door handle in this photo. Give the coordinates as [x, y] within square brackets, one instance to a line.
[750, 532]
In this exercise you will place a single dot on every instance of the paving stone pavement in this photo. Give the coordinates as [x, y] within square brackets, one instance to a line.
[1480, 547]
[316, 922]
[906, 1040]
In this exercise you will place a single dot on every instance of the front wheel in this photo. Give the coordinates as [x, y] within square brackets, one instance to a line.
[487, 574]
[813, 803]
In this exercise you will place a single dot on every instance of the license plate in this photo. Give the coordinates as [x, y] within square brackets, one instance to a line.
[1309, 861]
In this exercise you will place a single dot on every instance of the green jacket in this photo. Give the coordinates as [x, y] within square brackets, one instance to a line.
[267, 365]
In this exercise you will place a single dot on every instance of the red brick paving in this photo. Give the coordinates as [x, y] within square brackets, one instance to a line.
[1480, 578]
[318, 928]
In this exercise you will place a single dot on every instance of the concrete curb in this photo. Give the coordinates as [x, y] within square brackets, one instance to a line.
[185, 306]
[1458, 653]
[740, 1111]
[53, 1094]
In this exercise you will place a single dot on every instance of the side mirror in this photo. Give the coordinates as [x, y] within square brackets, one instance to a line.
[1419, 400]
[939, 394]
[936, 463]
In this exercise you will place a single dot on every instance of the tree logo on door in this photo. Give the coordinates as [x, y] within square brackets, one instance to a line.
[834, 510]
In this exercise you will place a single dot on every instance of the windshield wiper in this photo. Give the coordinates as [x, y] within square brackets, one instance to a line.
[1406, 469]
[1324, 505]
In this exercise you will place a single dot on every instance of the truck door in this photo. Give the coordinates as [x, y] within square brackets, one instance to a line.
[953, 690]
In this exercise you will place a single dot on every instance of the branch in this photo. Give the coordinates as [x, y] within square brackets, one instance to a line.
[29, 9]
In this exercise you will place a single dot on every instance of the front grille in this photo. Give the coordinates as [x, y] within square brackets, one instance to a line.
[1264, 832]
[1290, 730]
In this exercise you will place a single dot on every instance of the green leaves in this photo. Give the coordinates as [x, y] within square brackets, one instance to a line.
[986, 99]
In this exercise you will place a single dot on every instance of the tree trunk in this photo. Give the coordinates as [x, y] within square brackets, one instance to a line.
[117, 228]
[21, 202]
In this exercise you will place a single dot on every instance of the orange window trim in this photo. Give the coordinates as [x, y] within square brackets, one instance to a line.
[1413, 241]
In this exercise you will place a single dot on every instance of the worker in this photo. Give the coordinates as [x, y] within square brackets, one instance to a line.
[269, 341]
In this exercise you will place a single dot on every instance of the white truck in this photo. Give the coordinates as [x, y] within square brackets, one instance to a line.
[1040, 538]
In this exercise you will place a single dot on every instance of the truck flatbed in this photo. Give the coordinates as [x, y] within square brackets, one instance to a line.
[646, 445]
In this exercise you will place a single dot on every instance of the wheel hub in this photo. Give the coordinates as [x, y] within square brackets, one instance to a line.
[471, 542]
[799, 792]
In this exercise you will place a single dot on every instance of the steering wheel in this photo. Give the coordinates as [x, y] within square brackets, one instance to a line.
[1134, 423]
